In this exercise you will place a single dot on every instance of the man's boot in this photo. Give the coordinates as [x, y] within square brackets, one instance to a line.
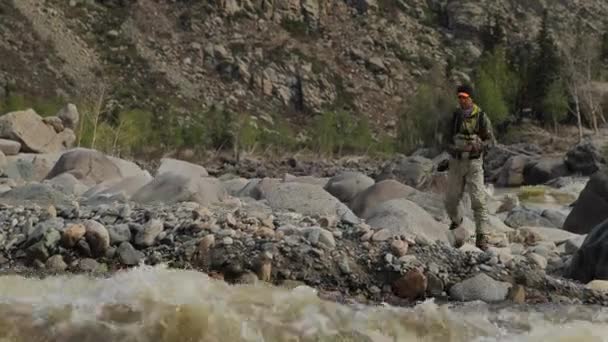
[460, 235]
[481, 241]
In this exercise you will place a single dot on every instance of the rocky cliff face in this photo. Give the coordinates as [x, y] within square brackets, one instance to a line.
[290, 57]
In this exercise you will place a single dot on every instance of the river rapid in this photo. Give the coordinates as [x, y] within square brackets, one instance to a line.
[160, 304]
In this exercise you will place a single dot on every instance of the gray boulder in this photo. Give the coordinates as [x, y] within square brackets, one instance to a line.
[305, 179]
[512, 173]
[171, 188]
[480, 287]
[555, 235]
[382, 191]
[67, 184]
[584, 158]
[346, 185]
[591, 207]
[128, 168]
[557, 218]
[117, 188]
[180, 167]
[9, 147]
[69, 116]
[30, 166]
[28, 128]
[543, 170]
[404, 217]
[306, 199]
[413, 171]
[37, 193]
[234, 185]
[89, 166]
[521, 216]
[591, 260]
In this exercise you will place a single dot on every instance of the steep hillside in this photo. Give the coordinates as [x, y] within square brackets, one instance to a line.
[287, 58]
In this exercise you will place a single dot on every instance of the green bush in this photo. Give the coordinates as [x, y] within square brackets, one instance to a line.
[423, 119]
[43, 106]
[340, 132]
[497, 85]
[555, 103]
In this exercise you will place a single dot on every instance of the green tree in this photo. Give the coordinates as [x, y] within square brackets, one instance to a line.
[420, 122]
[490, 97]
[497, 85]
[555, 103]
[546, 66]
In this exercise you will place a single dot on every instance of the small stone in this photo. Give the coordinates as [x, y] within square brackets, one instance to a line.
[367, 236]
[128, 255]
[381, 235]
[486, 268]
[328, 221]
[344, 266]
[97, 237]
[517, 294]
[247, 278]
[119, 234]
[538, 260]
[56, 263]
[227, 232]
[230, 220]
[72, 234]
[399, 248]
[598, 285]
[411, 286]
[147, 236]
[227, 241]
[51, 212]
[363, 228]
[88, 265]
[389, 258]
[408, 259]
[435, 285]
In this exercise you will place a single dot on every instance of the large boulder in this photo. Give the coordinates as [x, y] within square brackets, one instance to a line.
[69, 116]
[30, 166]
[380, 192]
[35, 192]
[89, 166]
[117, 189]
[306, 199]
[584, 158]
[521, 216]
[9, 147]
[480, 287]
[346, 185]
[413, 171]
[591, 260]
[128, 168]
[512, 173]
[497, 156]
[171, 188]
[305, 179]
[543, 170]
[591, 207]
[67, 184]
[28, 128]
[181, 167]
[404, 217]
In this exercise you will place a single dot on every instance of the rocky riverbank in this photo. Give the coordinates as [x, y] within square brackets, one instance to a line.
[248, 240]
[357, 229]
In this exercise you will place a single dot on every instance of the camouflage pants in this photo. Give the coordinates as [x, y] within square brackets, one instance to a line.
[467, 174]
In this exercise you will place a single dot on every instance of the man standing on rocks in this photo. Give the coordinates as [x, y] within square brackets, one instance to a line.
[468, 135]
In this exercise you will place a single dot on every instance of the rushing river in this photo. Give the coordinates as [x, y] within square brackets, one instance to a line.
[158, 304]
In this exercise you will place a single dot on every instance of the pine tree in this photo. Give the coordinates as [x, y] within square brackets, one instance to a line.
[555, 103]
[546, 67]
